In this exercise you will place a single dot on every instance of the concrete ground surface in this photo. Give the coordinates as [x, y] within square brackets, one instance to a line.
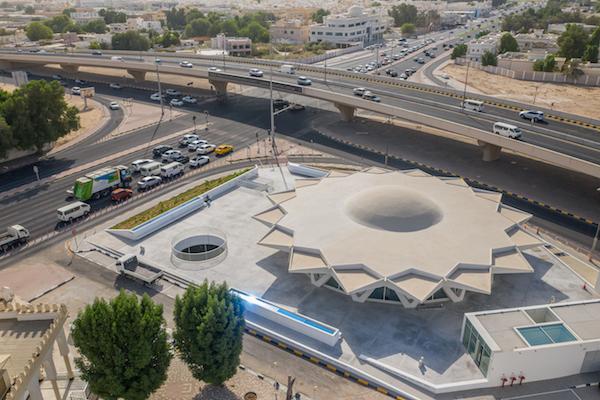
[138, 114]
[402, 336]
[542, 182]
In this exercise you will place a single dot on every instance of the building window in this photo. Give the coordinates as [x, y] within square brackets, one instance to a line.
[342, 26]
[314, 33]
[329, 34]
[438, 295]
[377, 294]
[332, 283]
[476, 347]
[320, 33]
[385, 294]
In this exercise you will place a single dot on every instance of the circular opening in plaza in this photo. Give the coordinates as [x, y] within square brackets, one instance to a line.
[195, 248]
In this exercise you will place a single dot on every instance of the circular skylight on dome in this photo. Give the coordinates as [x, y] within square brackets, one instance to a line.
[393, 208]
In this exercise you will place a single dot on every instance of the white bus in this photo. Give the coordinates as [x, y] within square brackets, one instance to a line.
[150, 169]
[507, 130]
[473, 105]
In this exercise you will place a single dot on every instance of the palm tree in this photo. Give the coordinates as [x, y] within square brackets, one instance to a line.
[571, 69]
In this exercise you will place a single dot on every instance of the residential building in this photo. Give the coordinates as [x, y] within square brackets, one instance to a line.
[537, 40]
[478, 47]
[354, 27]
[136, 24]
[289, 31]
[236, 46]
[560, 28]
[82, 17]
[118, 27]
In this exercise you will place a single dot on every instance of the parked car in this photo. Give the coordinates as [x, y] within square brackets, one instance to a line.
[199, 161]
[205, 148]
[76, 90]
[115, 86]
[393, 73]
[297, 107]
[532, 115]
[403, 76]
[194, 144]
[176, 102]
[371, 96]
[359, 91]
[173, 92]
[56, 77]
[121, 194]
[223, 149]
[137, 164]
[96, 53]
[160, 149]
[279, 104]
[80, 82]
[149, 182]
[73, 211]
[186, 64]
[169, 155]
[304, 81]
[256, 72]
[114, 105]
[189, 99]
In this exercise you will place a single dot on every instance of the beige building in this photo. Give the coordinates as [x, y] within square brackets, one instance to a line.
[537, 40]
[399, 237]
[289, 31]
[236, 46]
[28, 335]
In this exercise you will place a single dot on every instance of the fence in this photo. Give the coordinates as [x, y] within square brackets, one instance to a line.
[535, 76]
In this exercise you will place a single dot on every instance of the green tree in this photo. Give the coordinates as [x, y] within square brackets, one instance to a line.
[112, 16]
[407, 28]
[73, 27]
[508, 43]
[175, 18]
[482, 34]
[595, 37]
[318, 15]
[489, 58]
[591, 53]
[29, 10]
[131, 40]
[39, 113]
[460, 50]
[6, 137]
[198, 27]
[193, 14]
[256, 32]
[68, 11]
[229, 27]
[572, 69]
[209, 325]
[572, 42]
[168, 39]
[123, 346]
[38, 31]
[403, 13]
[95, 26]
[58, 23]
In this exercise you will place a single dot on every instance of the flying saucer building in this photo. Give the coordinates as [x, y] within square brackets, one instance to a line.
[402, 237]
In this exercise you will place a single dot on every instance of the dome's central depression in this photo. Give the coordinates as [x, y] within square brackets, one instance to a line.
[392, 208]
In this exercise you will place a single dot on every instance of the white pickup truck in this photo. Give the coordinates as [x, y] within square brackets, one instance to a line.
[13, 236]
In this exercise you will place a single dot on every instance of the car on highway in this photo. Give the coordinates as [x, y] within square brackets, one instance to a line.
[223, 149]
[187, 139]
[172, 92]
[96, 53]
[205, 148]
[137, 164]
[256, 72]
[214, 69]
[393, 73]
[169, 155]
[121, 194]
[199, 161]
[297, 107]
[421, 60]
[115, 86]
[304, 81]
[359, 91]
[189, 99]
[114, 105]
[371, 96]
[176, 102]
[160, 149]
[532, 115]
[149, 182]
[186, 64]
[157, 61]
[80, 82]
[57, 77]
[180, 158]
[156, 97]
[76, 90]
[507, 130]
[280, 104]
[194, 144]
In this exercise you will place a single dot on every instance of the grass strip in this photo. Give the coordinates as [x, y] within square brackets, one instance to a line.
[173, 202]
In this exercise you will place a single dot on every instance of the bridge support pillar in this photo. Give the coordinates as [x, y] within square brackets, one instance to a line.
[346, 111]
[491, 152]
[70, 68]
[138, 76]
[220, 89]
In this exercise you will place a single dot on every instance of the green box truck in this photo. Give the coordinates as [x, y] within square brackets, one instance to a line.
[101, 183]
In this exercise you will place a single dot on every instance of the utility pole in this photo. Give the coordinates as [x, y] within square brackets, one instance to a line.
[462, 106]
[162, 110]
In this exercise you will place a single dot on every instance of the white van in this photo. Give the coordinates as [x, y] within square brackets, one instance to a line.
[138, 164]
[171, 170]
[150, 169]
[473, 105]
[116, 58]
[507, 130]
[73, 211]
[288, 69]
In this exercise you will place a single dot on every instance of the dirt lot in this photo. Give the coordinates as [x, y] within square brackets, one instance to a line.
[567, 98]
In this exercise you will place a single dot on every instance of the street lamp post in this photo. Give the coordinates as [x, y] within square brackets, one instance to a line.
[595, 241]
[462, 106]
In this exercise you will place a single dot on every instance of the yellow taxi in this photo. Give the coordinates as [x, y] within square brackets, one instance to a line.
[223, 149]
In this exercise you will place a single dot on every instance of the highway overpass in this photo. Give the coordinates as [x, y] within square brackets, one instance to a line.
[572, 150]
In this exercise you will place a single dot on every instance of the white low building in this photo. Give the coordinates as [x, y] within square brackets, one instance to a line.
[82, 17]
[235, 46]
[355, 27]
[476, 48]
[136, 24]
[289, 31]
[526, 344]
[537, 40]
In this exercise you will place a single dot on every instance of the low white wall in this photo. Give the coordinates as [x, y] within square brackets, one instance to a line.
[301, 169]
[180, 211]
